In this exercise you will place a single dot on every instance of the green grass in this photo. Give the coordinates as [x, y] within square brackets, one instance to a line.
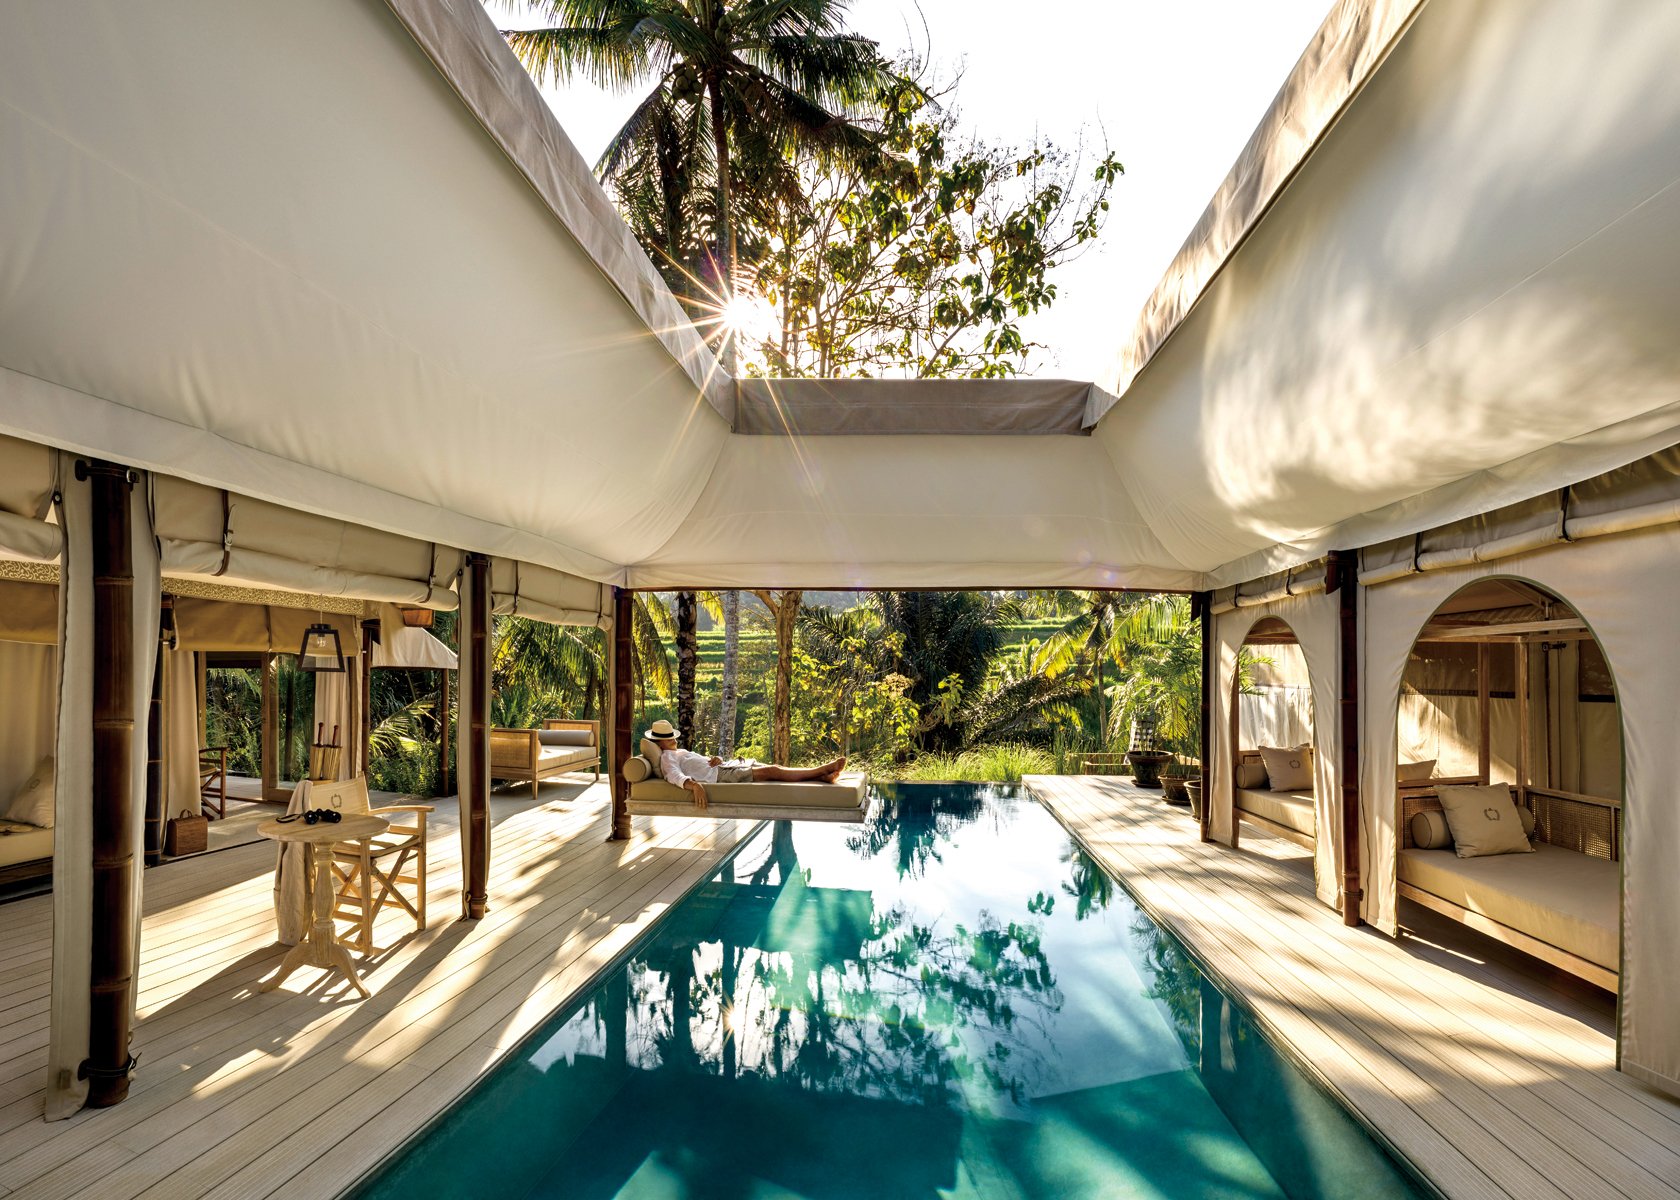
[1003, 763]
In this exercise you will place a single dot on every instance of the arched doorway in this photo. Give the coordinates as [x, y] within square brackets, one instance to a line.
[1508, 711]
[1272, 735]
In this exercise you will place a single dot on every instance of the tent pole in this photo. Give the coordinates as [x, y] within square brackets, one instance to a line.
[1484, 751]
[111, 979]
[370, 635]
[1344, 580]
[270, 752]
[623, 680]
[475, 716]
[1201, 606]
[155, 782]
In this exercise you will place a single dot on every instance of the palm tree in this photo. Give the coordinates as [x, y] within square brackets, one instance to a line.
[763, 79]
[949, 639]
[1105, 627]
[748, 82]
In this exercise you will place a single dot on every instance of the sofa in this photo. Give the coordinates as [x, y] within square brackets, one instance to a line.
[538, 755]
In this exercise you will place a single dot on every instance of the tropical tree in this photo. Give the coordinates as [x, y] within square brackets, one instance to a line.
[1023, 697]
[1107, 627]
[948, 640]
[688, 662]
[740, 87]
[921, 258]
[846, 672]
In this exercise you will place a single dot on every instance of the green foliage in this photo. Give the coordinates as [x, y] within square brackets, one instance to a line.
[921, 256]
[1003, 763]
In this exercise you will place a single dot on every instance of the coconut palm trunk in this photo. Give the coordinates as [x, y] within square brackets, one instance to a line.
[688, 661]
[731, 671]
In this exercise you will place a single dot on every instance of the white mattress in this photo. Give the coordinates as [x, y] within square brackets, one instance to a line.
[1292, 810]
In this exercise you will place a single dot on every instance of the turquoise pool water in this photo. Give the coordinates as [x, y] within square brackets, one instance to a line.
[951, 1002]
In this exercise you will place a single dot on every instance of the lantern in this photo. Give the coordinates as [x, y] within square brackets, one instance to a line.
[321, 650]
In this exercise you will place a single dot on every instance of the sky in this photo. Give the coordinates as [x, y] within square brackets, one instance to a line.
[1174, 87]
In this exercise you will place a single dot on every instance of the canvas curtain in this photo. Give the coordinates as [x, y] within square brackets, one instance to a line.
[1618, 585]
[180, 733]
[73, 825]
[1315, 619]
[29, 683]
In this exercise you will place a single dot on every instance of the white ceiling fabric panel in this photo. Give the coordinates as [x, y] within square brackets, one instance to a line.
[912, 511]
[282, 228]
[1466, 297]
[341, 258]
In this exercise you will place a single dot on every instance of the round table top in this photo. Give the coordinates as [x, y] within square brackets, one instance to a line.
[353, 827]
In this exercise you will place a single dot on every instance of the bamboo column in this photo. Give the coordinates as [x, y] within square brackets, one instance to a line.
[370, 635]
[155, 779]
[1201, 606]
[475, 718]
[1344, 580]
[111, 980]
[623, 676]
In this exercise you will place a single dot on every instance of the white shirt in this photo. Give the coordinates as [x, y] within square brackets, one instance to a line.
[679, 766]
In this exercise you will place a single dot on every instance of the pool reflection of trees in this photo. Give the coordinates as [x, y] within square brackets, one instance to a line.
[844, 998]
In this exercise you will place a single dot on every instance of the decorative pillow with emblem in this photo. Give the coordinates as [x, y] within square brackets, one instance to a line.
[34, 803]
[1288, 770]
[1484, 821]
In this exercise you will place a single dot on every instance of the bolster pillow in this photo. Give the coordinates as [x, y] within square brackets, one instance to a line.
[1430, 832]
[636, 769]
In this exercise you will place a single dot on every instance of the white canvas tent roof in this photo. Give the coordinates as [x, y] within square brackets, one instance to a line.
[342, 258]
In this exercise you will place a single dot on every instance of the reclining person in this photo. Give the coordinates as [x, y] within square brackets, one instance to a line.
[692, 772]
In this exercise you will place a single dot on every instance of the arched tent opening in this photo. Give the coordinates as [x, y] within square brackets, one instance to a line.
[1272, 734]
[1509, 779]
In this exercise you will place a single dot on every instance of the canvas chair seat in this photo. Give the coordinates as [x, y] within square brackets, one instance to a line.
[371, 874]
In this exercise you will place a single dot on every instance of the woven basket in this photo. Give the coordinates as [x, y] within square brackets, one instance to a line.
[186, 835]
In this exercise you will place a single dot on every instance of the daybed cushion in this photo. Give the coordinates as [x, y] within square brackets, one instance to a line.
[1414, 771]
[550, 757]
[1288, 770]
[636, 768]
[20, 843]
[1292, 810]
[1565, 899]
[1252, 776]
[1483, 821]
[565, 737]
[33, 802]
[847, 792]
[650, 751]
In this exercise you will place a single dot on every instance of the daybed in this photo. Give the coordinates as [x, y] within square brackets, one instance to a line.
[537, 755]
[847, 799]
[1288, 814]
[22, 844]
[1562, 905]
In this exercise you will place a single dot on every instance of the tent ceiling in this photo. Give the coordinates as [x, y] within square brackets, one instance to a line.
[1467, 296]
[342, 258]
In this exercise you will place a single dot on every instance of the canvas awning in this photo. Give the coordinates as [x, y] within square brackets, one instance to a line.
[408, 647]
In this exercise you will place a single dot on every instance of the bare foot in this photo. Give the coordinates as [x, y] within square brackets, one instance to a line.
[831, 772]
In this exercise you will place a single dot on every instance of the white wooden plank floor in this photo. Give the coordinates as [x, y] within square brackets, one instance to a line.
[298, 1092]
[1491, 1077]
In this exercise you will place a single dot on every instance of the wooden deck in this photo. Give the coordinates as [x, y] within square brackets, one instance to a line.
[1491, 1075]
[298, 1092]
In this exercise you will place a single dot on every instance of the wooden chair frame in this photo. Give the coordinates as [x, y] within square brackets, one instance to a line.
[212, 781]
[369, 874]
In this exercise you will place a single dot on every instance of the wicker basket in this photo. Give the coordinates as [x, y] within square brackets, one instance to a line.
[186, 835]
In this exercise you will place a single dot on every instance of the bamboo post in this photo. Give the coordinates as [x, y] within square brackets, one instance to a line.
[270, 734]
[156, 782]
[1524, 733]
[364, 711]
[1345, 581]
[475, 716]
[111, 979]
[623, 681]
[1484, 749]
[1201, 604]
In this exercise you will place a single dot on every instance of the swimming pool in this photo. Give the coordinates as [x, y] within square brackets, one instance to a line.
[953, 1000]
